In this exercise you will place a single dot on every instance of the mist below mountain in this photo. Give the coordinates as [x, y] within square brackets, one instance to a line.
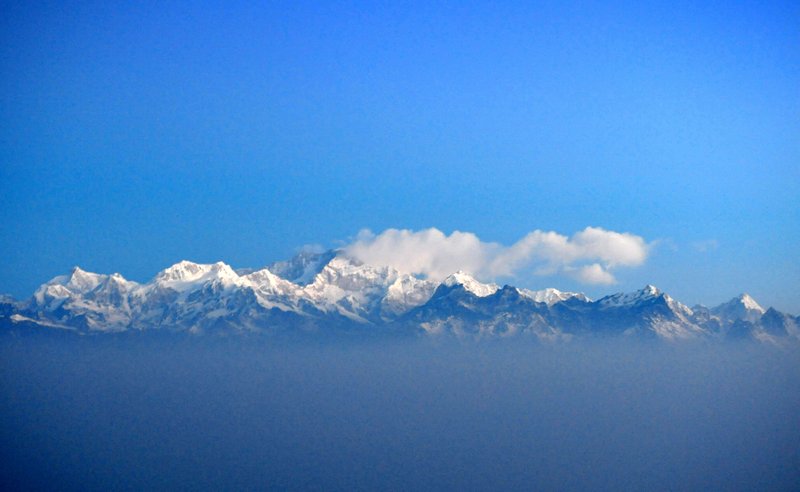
[201, 413]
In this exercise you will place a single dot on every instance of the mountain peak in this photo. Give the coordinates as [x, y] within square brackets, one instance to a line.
[750, 303]
[551, 296]
[82, 281]
[184, 274]
[470, 284]
[741, 307]
[184, 270]
[627, 299]
[650, 290]
[303, 267]
[77, 273]
[457, 278]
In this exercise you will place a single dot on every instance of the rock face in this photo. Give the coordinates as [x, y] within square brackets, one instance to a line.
[328, 291]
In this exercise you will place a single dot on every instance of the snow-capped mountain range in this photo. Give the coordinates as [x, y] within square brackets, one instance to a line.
[329, 292]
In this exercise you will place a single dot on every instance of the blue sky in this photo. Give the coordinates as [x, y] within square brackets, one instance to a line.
[134, 135]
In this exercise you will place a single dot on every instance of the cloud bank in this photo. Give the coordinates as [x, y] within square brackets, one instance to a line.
[589, 255]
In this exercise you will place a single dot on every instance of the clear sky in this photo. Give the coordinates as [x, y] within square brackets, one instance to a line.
[134, 135]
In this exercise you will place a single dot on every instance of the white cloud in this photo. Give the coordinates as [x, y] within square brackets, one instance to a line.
[589, 255]
[428, 252]
[593, 274]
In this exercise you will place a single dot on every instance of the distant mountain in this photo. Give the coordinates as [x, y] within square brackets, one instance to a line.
[742, 307]
[321, 292]
[303, 267]
[551, 296]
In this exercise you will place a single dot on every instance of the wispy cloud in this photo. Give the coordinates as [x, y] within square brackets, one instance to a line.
[589, 255]
[705, 245]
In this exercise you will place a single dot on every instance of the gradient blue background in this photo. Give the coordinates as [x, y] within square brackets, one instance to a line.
[134, 135]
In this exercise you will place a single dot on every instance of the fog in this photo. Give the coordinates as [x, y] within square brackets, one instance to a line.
[106, 413]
